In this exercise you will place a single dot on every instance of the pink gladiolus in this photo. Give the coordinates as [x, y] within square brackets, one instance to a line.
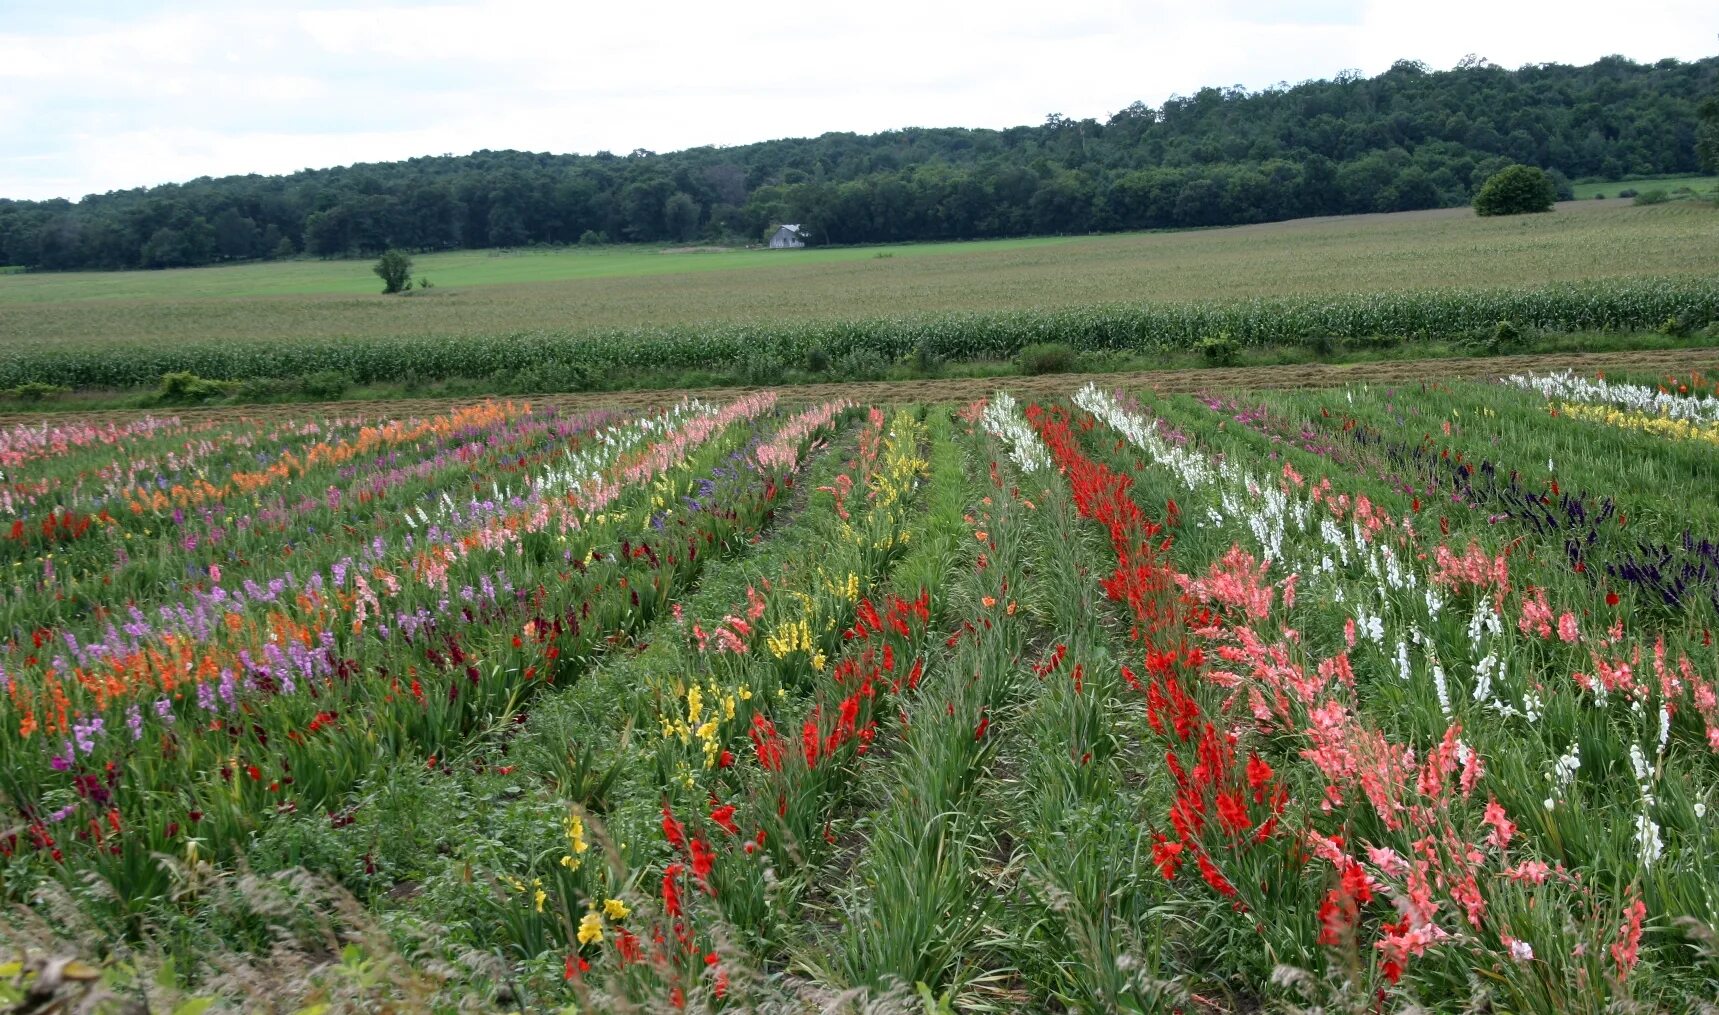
[1532, 871]
[1625, 949]
[1502, 827]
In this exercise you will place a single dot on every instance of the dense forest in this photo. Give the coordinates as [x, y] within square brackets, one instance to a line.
[1408, 138]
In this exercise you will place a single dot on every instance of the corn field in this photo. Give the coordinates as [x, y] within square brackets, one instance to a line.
[1414, 315]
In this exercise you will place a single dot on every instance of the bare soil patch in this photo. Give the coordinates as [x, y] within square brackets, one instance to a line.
[968, 389]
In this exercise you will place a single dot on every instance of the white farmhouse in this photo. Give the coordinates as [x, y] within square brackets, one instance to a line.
[787, 236]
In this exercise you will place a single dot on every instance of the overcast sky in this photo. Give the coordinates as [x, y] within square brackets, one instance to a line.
[124, 93]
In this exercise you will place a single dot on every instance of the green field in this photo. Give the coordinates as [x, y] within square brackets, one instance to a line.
[461, 268]
[480, 293]
[622, 318]
[1708, 185]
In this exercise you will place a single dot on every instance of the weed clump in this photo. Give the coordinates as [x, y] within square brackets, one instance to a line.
[1046, 358]
[1218, 350]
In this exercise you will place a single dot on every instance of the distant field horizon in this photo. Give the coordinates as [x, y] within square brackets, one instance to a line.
[575, 289]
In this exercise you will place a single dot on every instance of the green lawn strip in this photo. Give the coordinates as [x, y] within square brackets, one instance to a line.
[1695, 182]
[547, 372]
[462, 269]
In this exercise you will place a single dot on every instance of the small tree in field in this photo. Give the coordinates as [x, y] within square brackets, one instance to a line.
[395, 270]
[1516, 190]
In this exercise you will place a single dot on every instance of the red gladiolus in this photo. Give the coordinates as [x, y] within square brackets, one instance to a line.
[1167, 855]
[1232, 813]
[671, 894]
[767, 744]
[1356, 883]
[1215, 877]
[673, 830]
[1337, 917]
[724, 818]
[809, 742]
[1258, 777]
[703, 860]
[1156, 705]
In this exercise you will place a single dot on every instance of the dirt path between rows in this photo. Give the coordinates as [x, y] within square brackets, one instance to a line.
[1312, 375]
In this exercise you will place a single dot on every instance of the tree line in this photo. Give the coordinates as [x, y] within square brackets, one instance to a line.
[1405, 139]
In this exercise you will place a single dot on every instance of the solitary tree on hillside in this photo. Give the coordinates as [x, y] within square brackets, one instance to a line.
[395, 270]
[1515, 190]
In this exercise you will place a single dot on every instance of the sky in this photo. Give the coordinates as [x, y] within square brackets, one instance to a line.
[98, 96]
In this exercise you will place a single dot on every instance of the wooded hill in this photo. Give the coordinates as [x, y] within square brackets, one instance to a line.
[1408, 138]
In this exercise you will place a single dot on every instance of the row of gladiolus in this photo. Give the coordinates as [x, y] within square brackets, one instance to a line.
[771, 702]
[199, 724]
[1059, 705]
[1261, 663]
[1568, 386]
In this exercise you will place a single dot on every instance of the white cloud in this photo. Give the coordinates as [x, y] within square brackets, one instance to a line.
[161, 93]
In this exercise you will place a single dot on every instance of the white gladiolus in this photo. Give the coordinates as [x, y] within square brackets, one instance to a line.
[1638, 763]
[1572, 387]
[1483, 677]
[1002, 419]
[1647, 834]
[582, 470]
